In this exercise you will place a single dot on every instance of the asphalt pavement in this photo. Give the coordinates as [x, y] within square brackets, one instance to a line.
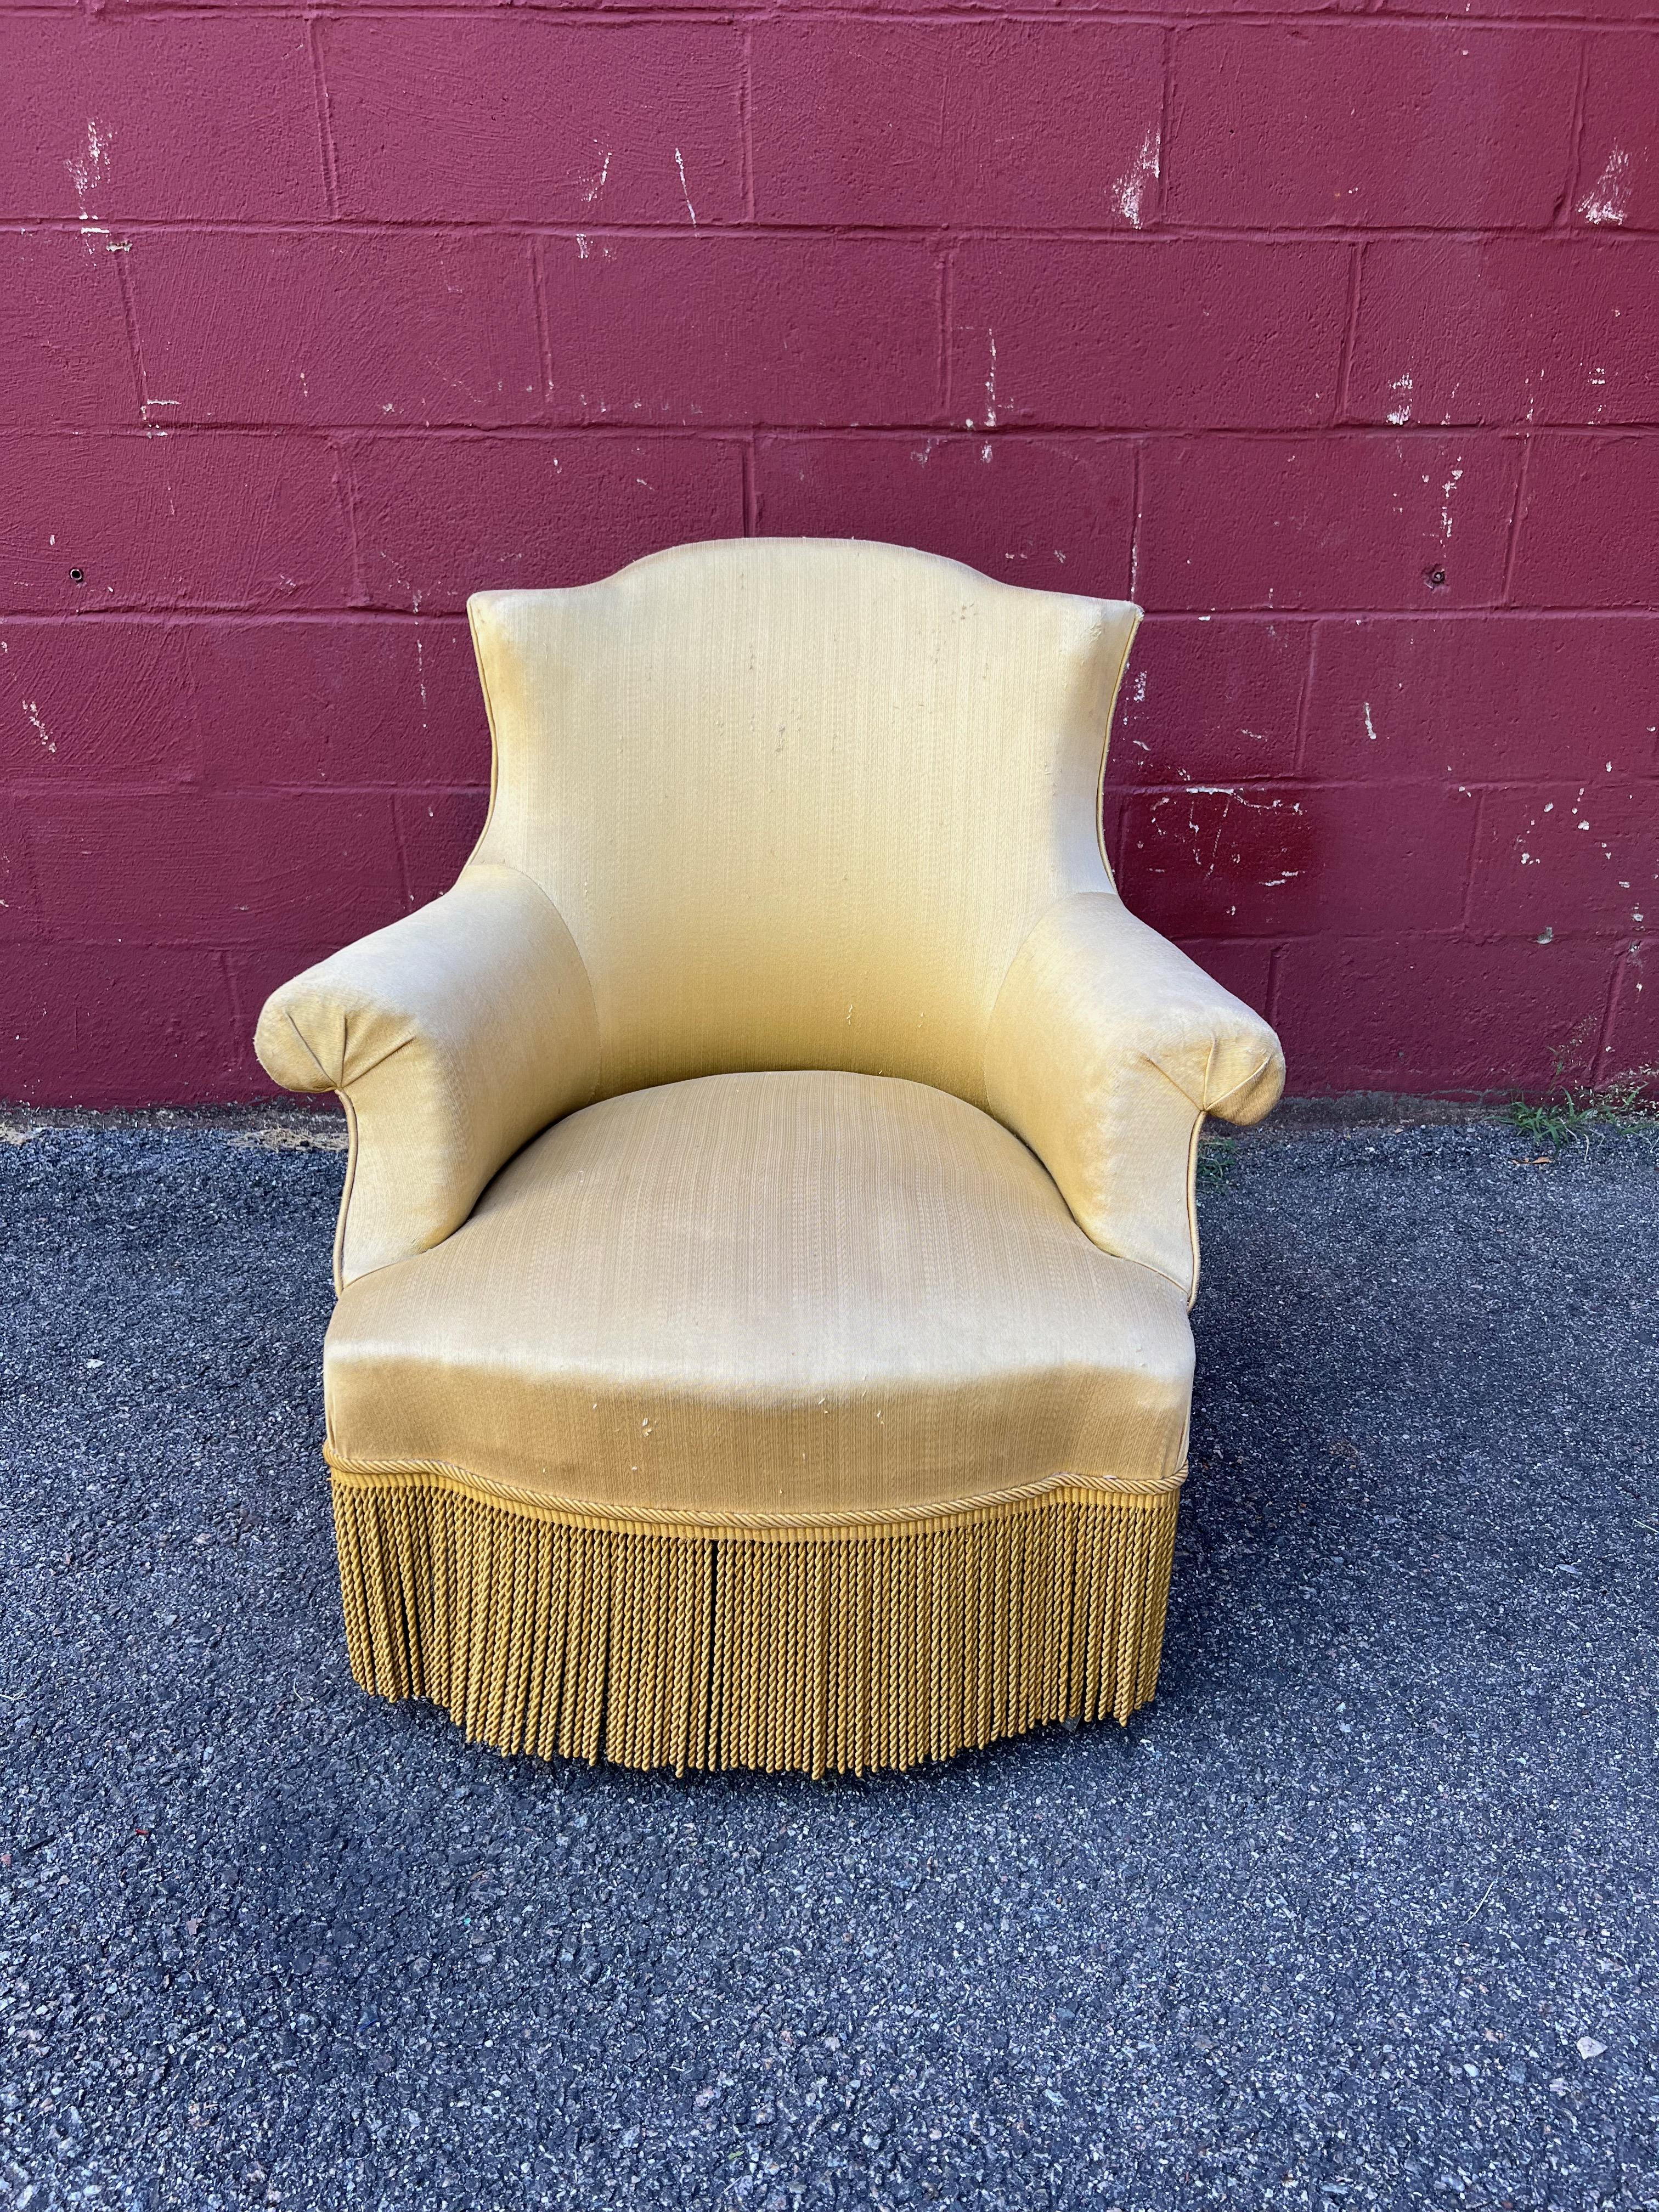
[1360, 1912]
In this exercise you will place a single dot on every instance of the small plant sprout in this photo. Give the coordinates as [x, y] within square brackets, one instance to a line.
[1620, 1105]
[1216, 1157]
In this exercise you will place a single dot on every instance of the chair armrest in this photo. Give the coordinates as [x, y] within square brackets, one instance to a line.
[1107, 1047]
[453, 1038]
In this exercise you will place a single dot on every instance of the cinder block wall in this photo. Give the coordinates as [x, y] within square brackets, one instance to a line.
[1333, 337]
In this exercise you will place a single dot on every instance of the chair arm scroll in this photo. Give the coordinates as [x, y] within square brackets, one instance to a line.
[1107, 1047]
[453, 1037]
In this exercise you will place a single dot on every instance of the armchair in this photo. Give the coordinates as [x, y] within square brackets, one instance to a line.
[768, 1234]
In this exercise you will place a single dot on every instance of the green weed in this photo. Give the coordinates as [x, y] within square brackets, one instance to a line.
[1570, 1114]
[1216, 1160]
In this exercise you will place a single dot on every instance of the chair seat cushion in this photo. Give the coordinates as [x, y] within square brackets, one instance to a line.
[766, 1299]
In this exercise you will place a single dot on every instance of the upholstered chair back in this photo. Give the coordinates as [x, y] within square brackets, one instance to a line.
[798, 802]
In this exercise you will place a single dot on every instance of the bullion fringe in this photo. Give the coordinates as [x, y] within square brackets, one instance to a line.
[814, 1651]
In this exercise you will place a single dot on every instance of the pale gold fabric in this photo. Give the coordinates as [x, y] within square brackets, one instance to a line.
[453, 1037]
[1107, 1049]
[800, 802]
[794, 1296]
[767, 806]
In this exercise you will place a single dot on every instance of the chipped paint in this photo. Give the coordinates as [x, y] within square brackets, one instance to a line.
[1609, 199]
[88, 173]
[686, 192]
[1446, 491]
[32, 708]
[1135, 184]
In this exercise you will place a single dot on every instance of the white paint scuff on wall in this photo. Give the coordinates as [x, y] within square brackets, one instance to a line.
[88, 173]
[685, 194]
[1234, 797]
[1446, 491]
[1133, 187]
[1608, 200]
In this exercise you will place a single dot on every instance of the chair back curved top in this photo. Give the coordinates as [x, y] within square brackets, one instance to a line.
[798, 800]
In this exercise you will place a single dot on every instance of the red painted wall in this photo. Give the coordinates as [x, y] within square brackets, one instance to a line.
[1332, 337]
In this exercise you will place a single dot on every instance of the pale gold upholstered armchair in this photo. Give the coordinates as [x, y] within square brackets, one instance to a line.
[767, 1237]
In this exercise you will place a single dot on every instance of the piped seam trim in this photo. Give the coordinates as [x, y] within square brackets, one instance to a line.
[441, 1474]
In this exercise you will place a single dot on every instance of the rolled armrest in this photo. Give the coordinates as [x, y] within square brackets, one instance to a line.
[1107, 1049]
[453, 1037]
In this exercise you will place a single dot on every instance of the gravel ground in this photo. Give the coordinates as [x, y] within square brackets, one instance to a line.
[1360, 1912]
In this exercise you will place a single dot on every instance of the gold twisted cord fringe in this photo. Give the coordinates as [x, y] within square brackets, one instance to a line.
[827, 1648]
